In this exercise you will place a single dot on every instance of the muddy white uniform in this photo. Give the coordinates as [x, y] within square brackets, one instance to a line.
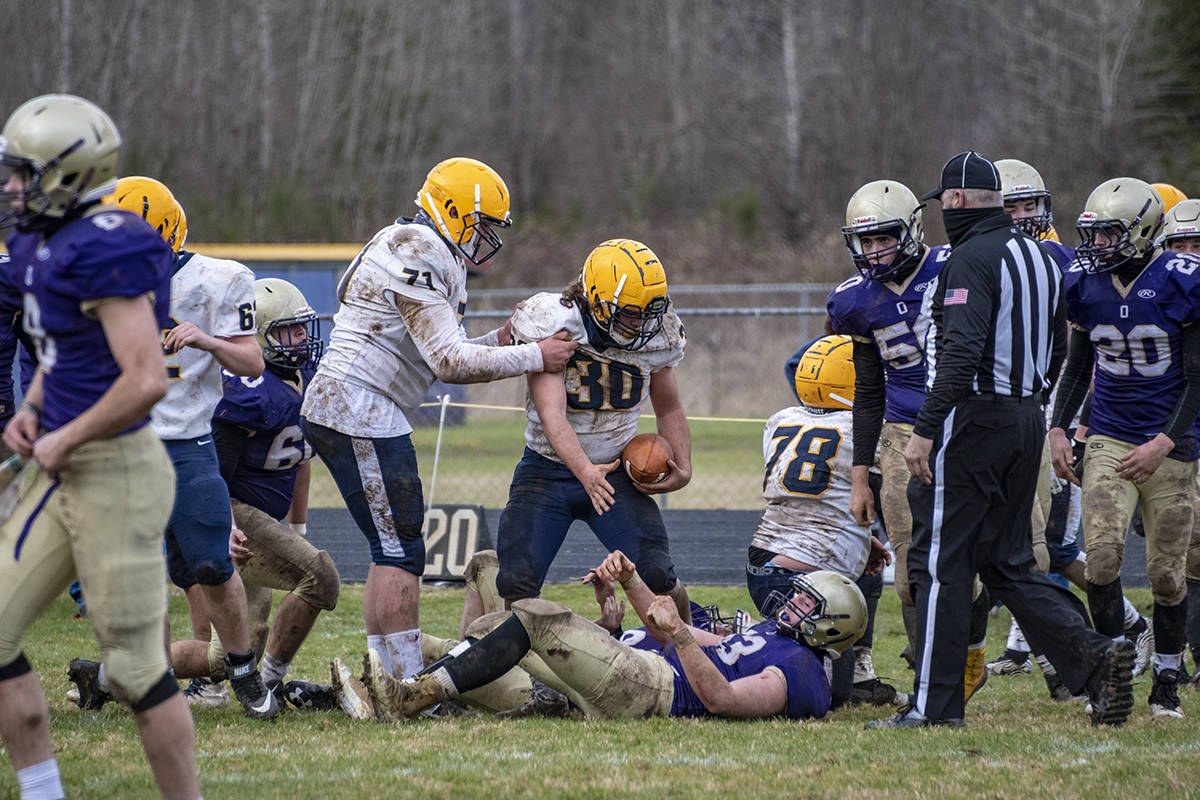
[606, 387]
[398, 328]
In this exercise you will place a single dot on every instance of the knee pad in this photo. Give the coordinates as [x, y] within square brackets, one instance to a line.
[160, 692]
[485, 624]
[481, 572]
[321, 584]
[1166, 583]
[1103, 565]
[132, 678]
[16, 668]
[660, 579]
[513, 585]
[539, 616]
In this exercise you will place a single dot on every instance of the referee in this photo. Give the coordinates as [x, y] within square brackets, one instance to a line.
[996, 339]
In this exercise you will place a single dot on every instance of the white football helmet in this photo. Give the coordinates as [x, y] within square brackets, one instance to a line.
[1181, 222]
[888, 208]
[287, 328]
[825, 610]
[1020, 181]
[1130, 214]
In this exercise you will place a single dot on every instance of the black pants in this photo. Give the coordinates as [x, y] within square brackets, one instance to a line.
[975, 518]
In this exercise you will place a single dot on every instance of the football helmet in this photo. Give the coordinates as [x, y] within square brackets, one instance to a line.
[825, 374]
[1169, 194]
[709, 618]
[281, 313]
[1020, 181]
[825, 610]
[152, 201]
[887, 208]
[1181, 222]
[67, 149]
[466, 200]
[626, 289]
[1129, 213]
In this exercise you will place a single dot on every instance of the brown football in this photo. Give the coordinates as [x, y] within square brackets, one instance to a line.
[645, 458]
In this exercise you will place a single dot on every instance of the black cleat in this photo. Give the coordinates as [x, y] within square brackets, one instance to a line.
[247, 684]
[86, 677]
[1164, 695]
[1111, 687]
[877, 693]
[909, 718]
[544, 702]
[309, 696]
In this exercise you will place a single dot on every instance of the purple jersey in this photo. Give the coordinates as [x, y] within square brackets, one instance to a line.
[749, 653]
[1136, 334]
[871, 311]
[269, 408]
[1063, 255]
[110, 254]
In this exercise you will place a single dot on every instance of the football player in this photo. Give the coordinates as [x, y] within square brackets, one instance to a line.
[96, 285]
[878, 309]
[397, 330]
[1137, 306]
[807, 524]
[580, 420]
[264, 460]
[772, 669]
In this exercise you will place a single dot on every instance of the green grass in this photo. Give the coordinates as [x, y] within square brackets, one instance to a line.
[476, 463]
[1018, 744]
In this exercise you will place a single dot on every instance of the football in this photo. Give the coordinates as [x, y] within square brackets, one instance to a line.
[645, 458]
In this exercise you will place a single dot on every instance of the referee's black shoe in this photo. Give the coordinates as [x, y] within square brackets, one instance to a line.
[1110, 687]
[909, 717]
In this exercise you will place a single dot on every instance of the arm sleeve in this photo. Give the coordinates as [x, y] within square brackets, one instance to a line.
[1188, 404]
[965, 329]
[1076, 377]
[438, 336]
[869, 393]
[229, 440]
[1059, 352]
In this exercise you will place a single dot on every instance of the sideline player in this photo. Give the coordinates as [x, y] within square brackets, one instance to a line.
[397, 330]
[1138, 307]
[96, 284]
[580, 420]
[772, 669]
[807, 524]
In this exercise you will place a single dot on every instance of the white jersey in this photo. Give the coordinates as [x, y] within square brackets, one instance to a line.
[398, 328]
[606, 386]
[217, 296]
[808, 454]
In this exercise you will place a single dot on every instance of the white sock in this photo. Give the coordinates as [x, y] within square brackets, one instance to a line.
[272, 670]
[1016, 639]
[1131, 614]
[102, 679]
[375, 642]
[1044, 663]
[1167, 661]
[404, 647]
[41, 781]
[864, 670]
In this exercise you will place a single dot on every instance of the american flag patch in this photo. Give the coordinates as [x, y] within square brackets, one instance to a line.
[956, 297]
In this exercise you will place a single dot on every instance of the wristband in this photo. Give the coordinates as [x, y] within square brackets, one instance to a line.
[682, 638]
[633, 582]
[299, 527]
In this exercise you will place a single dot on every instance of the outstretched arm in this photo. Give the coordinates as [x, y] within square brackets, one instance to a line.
[617, 567]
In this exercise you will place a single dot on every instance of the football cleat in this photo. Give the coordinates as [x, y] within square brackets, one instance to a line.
[911, 718]
[395, 700]
[309, 696]
[877, 693]
[544, 702]
[85, 675]
[203, 693]
[257, 702]
[1164, 695]
[350, 692]
[1144, 649]
[975, 674]
[1007, 665]
[1111, 688]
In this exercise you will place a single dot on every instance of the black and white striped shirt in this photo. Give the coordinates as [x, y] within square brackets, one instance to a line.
[996, 321]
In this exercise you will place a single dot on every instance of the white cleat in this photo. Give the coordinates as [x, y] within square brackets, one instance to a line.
[351, 693]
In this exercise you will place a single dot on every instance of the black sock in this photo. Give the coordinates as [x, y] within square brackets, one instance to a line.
[1192, 628]
[237, 659]
[1016, 656]
[979, 617]
[490, 657]
[1169, 622]
[872, 589]
[1107, 605]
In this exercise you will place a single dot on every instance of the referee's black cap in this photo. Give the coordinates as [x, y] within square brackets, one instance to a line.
[967, 171]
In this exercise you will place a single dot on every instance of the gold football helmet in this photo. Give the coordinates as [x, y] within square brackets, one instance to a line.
[67, 149]
[1120, 222]
[825, 610]
[152, 201]
[1169, 194]
[466, 200]
[1181, 222]
[626, 289]
[1020, 181]
[825, 375]
[889, 208]
[287, 328]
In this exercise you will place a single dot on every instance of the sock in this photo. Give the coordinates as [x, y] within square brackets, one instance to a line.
[1107, 605]
[1132, 616]
[41, 781]
[1167, 661]
[238, 659]
[102, 681]
[489, 658]
[864, 670]
[1169, 622]
[272, 670]
[1047, 668]
[375, 642]
[404, 652]
[1016, 640]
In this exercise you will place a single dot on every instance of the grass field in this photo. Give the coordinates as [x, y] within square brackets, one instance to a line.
[1018, 743]
[477, 460]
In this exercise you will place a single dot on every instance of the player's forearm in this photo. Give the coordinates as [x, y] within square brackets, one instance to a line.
[243, 358]
[674, 428]
[1073, 385]
[706, 680]
[436, 333]
[298, 511]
